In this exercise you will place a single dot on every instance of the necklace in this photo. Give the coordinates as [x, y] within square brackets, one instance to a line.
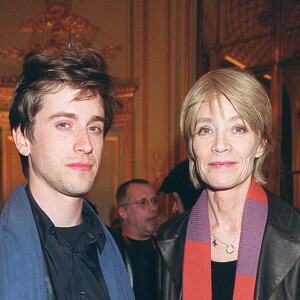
[229, 247]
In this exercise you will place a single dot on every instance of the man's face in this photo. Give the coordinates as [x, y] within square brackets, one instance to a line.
[64, 154]
[177, 207]
[139, 223]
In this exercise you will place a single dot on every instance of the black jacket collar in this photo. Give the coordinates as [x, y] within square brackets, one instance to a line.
[279, 253]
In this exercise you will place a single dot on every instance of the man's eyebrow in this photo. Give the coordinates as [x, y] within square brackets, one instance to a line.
[74, 116]
[97, 118]
[63, 114]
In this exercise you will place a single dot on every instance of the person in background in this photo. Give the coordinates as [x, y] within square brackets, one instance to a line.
[180, 187]
[52, 244]
[137, 205]
[239, 241]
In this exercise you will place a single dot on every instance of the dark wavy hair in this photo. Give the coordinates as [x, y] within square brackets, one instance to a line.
[178, 180]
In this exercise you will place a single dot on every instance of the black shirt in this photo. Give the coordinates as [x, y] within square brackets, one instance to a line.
[71, 255]
[144, 262]
[223, 277]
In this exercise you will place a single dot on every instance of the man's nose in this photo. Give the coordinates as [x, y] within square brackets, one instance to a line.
[153, 206]
[83, 141]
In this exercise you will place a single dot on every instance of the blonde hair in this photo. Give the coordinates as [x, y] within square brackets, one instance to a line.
[248, 97]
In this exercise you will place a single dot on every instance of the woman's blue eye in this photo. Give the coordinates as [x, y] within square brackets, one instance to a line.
[204, 130]
[240, 129]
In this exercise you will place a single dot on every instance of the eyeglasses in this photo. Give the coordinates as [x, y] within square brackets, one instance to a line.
[144, 203]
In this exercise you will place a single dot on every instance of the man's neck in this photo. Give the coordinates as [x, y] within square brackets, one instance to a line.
[134, 235]
[62, 210]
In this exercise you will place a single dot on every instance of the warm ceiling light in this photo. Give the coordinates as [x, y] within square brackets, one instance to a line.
[234, 61]
[242, 66]
[267, 76]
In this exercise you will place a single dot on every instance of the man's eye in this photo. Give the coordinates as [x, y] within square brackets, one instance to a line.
[95, 129]
[154, 200]
[143, 202]
[63, 125]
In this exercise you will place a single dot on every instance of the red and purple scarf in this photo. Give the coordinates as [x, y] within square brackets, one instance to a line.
[197, 283]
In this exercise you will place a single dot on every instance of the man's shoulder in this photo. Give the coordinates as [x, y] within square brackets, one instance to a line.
[173, 226]
[17, 203]
[114, 233]
[117, 236]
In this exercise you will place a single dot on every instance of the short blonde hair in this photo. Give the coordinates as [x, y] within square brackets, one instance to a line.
[248, 97]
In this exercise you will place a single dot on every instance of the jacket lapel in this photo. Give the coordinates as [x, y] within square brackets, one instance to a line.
[172, 253]
[280, 248]
[278, 256]
[172, 250]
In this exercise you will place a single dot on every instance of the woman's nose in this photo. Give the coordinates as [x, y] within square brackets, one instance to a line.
[221, 142]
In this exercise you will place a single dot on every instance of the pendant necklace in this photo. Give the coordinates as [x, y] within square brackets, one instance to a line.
[229, 247]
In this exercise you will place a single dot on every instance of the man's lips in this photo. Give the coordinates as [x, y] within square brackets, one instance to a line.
[222, 164]
[80, 166]
[152, 219]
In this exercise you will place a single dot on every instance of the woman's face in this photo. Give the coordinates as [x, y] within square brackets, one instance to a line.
[224, 146]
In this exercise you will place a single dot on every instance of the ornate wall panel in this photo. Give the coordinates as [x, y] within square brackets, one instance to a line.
[291, 29]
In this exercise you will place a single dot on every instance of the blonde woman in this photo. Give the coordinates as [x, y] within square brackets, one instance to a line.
[239, 241]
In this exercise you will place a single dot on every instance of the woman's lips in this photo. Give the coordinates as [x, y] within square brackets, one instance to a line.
[222, 164]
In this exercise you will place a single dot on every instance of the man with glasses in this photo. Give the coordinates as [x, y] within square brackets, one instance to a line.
[138, 205]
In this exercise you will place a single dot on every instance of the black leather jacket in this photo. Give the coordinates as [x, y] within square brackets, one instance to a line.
[278, 275]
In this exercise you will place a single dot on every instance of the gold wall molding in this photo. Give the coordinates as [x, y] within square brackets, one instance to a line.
[6, 93]
[53, 30]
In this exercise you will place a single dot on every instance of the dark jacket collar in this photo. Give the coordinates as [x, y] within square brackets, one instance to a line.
[280, 248]
[281, 244]
[171, 246]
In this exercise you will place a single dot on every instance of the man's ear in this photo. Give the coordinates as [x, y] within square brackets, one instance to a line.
[122, 212]
[21, 141]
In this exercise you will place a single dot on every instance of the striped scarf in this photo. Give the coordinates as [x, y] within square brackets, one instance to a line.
[197, 282]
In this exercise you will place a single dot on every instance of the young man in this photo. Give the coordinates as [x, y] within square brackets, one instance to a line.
[52, 244]
[138, 204]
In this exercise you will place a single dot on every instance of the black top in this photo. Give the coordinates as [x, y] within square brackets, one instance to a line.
[223, 277]
[144, 289]
[71, 255]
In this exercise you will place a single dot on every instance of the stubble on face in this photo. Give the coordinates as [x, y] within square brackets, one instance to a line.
[67, 144]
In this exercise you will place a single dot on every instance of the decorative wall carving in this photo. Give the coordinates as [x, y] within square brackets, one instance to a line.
[52, 31]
